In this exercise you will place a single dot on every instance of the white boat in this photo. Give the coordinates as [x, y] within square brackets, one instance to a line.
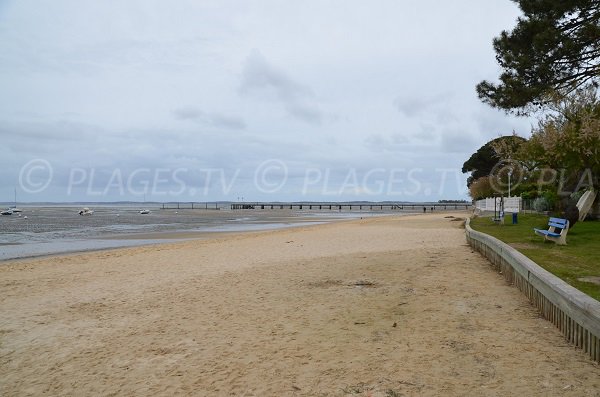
[86, 211]
[144, 211]
[6, 212]
[14, 208]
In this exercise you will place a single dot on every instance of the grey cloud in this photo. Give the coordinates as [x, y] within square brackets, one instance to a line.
[230, 122]
[398, 143]
[414, 106]
[307, 113]
[163, 85]
[456, 141]
[32, 139]
[215, 119]
[400, 139]
[87, 58]
[143, 152]
[493, 123]
[410, 106]
[188, 113]
[135, 52]
[376, 142]
[427, 132]
[259, 77]
[445, 115]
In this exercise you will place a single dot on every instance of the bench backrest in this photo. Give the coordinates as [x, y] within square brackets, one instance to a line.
[558, 222]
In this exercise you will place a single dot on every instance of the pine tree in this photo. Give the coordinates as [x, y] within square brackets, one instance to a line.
[554, 48]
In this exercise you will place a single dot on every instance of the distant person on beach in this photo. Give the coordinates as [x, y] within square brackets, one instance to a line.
[424, 209]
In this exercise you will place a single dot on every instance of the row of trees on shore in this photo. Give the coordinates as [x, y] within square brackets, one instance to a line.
[551, 68]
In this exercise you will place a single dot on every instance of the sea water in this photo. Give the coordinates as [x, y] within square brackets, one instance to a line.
[55, 229]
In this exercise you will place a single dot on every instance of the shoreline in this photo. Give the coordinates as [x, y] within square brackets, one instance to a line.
[365, 307]
[156, 239]
[168, 237]
[27, 250]
[15, 251]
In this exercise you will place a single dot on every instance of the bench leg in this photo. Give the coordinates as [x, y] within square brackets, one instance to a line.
[562, 240]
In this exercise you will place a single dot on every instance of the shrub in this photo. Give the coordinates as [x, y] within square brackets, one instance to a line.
[541, 204]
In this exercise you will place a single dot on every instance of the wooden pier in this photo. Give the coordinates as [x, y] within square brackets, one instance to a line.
[351, 206]
[316, 206]
[190, 206]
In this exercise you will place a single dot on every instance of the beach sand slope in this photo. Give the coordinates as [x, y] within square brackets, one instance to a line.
[391, 306]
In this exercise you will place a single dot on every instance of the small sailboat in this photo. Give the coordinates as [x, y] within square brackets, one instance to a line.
[144, 211]
[14, 208]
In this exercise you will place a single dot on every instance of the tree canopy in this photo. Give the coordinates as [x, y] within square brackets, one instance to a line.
[568, 138]
[482, 162]
[555, 47]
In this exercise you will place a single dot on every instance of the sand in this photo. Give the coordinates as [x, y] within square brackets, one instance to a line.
[387, 306]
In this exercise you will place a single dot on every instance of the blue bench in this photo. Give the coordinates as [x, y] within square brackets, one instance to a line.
[557, 231]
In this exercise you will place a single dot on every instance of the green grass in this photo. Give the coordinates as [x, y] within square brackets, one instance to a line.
[579, 258]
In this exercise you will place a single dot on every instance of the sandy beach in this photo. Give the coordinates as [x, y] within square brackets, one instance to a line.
[390, 306]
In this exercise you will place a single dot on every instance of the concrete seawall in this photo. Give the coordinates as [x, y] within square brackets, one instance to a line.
[574, 313]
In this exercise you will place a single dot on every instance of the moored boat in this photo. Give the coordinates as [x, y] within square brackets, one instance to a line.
[14, 208]
[86, 211]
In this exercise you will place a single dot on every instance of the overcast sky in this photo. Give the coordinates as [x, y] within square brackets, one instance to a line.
[265, 100]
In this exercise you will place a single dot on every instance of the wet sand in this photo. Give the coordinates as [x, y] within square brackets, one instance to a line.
[52, 230]
[373, 307]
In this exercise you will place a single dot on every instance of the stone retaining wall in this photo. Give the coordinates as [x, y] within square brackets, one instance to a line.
[574, 313]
